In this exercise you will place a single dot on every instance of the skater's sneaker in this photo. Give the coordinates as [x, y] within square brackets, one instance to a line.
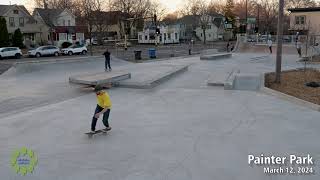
[110, 69]
[92, 132]
[106, 70]
[106, 129]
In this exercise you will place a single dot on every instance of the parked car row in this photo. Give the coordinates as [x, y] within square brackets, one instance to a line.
[15, 52]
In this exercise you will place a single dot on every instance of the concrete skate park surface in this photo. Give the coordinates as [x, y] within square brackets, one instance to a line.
[181, 129]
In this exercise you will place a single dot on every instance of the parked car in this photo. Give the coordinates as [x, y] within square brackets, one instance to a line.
[7, 52]
[44, 51]
[93, 42]
[74, 49]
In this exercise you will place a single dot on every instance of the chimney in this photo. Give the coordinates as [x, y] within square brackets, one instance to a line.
[45, 5]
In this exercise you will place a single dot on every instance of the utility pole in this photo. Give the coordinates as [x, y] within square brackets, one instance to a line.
[246, 16]
[279, 42]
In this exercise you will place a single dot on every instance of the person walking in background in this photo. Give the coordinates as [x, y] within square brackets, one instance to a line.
[107, 60]
[228, 45]
[298, 46]
[269, 42]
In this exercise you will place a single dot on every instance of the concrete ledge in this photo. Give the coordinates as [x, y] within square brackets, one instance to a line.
[286, 97]
[99, 78]
[155, 81]
[208, 52]
[247, 81]
[229, 83]
[215, 56]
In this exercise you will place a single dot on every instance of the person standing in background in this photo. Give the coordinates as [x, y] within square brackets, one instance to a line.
[269, 42]
[107, 60]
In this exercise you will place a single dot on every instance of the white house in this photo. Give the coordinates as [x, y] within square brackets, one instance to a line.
[59, 25]
[214, 30]
[169, 34]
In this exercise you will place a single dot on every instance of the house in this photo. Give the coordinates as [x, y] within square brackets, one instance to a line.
[305, 20]
[18, 17]
[188, 24]
[169, 34]
[190, 27]
[214, 30]
[110, 25]
[59, 25]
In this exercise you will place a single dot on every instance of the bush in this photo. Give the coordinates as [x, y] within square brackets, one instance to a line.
[17, 39]
[66, 44]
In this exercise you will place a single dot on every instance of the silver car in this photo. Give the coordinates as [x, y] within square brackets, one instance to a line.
[44, 51]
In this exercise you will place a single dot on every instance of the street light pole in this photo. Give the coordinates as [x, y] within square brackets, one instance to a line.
[279, 41]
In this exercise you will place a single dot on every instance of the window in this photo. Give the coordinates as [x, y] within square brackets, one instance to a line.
[209, 35]
[140, 37]
[64, 22]
[165, 36]
[169, 36]
[69, 23]
[176, 35]
[15, 11]
[145, 37]
[201, 34]
[62, 36]
[209, 27]
[300, 19]
[11, 22]
[21, 22]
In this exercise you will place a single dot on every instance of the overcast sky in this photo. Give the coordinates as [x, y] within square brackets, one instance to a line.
[171, 5]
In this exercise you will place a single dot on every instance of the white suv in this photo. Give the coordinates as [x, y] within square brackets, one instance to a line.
[44, 51]
[6, 52]
[75, 49]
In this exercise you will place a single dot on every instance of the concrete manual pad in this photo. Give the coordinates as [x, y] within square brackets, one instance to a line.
[150, 75]
[100, 78]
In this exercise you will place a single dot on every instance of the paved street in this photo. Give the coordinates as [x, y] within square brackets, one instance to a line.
[181, 129]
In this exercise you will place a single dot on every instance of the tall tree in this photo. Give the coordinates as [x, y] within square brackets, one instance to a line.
[204, 18]
[17, 39]
[4, 36]
[229, 10]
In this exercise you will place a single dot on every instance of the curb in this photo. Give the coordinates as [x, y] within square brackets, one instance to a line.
[58, 61]
[287, 97]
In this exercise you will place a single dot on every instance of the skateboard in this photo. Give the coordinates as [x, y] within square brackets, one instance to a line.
[90, 134]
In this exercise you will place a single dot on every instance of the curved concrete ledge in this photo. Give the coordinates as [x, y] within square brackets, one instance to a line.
[215, 56]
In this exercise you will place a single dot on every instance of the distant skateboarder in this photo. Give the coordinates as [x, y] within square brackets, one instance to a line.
[107, 60]
[270, 45]
[103, 107]
[298, 46]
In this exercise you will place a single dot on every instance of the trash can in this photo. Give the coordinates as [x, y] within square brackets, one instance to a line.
[152, 53]
[137, 55]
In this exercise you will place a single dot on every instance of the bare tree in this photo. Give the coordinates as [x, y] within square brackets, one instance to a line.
[300, 3]
[88, 12]
[204, 17]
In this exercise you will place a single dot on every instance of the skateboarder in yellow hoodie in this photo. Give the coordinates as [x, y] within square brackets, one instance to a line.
[103, 107]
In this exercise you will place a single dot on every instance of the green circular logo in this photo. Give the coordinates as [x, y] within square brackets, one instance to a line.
[23, 161]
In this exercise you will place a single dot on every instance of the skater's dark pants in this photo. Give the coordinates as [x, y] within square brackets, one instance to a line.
[104, 120]
[107, 63]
